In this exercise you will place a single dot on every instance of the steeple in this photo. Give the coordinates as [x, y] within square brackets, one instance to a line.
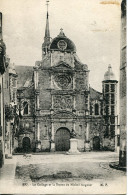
[47, 31]
[45, 45]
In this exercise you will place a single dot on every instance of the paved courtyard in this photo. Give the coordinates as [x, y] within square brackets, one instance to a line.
[48, 171]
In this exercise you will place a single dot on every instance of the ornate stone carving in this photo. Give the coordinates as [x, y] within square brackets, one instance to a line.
[63, 102]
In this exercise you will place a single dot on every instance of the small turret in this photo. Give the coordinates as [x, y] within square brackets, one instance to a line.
[109, 75]
[109, 87]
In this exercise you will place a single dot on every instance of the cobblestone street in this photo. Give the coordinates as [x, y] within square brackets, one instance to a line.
[85, 170]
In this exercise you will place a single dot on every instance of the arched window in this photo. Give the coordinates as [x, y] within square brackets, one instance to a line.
[96, 109]
[25, 106]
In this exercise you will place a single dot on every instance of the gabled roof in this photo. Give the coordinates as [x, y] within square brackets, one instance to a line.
[79, 64]
[25, 73]
[95, 95]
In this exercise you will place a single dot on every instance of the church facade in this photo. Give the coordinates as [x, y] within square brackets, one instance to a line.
[54, 98]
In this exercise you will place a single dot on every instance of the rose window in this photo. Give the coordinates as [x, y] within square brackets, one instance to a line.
[63, 80]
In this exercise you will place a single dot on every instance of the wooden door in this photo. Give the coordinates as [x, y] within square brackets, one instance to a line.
[62, 140]
[26, 144]
[96, 143]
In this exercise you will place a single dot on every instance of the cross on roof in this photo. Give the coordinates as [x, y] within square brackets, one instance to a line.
[47, 3]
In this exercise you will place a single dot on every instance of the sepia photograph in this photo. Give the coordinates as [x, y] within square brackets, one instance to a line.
[63, 97]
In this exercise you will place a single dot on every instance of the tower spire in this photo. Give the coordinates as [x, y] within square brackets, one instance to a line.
[46, 44]
[47, 31]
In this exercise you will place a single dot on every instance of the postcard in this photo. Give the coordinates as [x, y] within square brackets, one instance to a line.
[63, 97]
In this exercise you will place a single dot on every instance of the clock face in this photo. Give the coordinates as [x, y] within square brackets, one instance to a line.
[62, 45]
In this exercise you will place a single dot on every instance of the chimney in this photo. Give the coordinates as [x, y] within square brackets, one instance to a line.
[0, 26]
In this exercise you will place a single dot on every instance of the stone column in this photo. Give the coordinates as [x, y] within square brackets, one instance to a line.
[87, 132]
[52, 139]
[38, 131]
[38, 142]
[35, 79]
[52, 102]
[38, 104]
[87, 144]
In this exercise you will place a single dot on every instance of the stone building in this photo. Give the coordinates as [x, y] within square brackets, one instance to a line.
[54, 98]
[6, 109]
[123, 84]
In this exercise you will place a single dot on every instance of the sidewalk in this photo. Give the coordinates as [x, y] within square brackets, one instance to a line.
[7, 172]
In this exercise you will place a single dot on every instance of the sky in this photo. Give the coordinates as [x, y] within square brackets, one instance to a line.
[93, 25]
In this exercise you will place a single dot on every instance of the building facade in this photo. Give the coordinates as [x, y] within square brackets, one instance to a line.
[54, 98]
[6, 109]
[123, 84]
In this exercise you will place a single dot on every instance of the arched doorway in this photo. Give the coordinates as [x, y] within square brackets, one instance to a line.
[26, 144]
[96, 143]
[62, 139]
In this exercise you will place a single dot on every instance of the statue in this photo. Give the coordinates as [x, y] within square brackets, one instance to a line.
[72, 134]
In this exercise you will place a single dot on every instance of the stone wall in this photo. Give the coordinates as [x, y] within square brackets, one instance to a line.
[29, 135]
[44, 90]
[123, 81]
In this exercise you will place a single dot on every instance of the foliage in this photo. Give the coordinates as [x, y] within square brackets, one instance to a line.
[9, 112]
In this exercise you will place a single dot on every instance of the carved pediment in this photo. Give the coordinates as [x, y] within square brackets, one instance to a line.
[64, 115]
[62, 65]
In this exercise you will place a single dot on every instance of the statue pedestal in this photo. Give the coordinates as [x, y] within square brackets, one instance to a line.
[52, 147]
[87, 147]
[73, 147]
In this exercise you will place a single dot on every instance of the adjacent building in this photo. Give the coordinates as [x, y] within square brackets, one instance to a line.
[123, 91]
[6, 106]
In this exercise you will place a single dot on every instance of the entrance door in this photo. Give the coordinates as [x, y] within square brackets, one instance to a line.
[62, 139]
[96, 143]
[26, 144]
